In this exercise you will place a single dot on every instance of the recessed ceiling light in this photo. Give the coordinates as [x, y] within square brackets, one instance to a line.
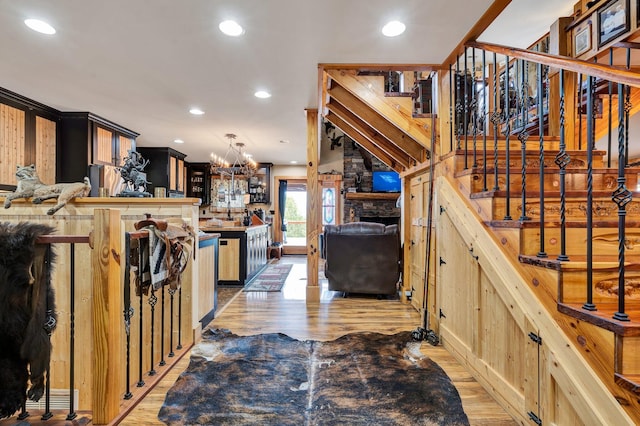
[393, 29]
[231, 28]
[40, 26]
[178, 141]
[262, 94]
[196, 111]
[293, 162]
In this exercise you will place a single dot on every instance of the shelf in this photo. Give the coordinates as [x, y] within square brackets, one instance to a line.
[372, 195]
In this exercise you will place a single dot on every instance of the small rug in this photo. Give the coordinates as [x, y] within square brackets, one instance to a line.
[273, 379]
[271, 279]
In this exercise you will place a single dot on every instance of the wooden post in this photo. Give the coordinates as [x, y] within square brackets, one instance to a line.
[314, 224]
[107, 315]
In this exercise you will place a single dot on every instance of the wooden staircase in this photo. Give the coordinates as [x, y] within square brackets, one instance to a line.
[571, 275]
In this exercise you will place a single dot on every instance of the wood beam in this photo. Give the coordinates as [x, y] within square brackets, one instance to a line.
[380, 67]
[481, 24]
[392, 150]
[364, 142]
[387, 107]
[313, 206]
[377, 122]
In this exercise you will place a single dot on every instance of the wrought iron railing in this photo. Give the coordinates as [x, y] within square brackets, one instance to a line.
[511, 97]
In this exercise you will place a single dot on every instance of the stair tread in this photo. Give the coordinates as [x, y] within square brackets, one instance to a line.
[631, 382]
[547, 170]
[516, 192]
[603, 317]
[579, 263]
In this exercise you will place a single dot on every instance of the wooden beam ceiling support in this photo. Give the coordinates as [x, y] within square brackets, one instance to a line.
[378, 122]
[388, 107]
[481, 24]
[364, 142]
[355, 123]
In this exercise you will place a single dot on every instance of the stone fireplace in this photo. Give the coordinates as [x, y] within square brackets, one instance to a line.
[365, 205]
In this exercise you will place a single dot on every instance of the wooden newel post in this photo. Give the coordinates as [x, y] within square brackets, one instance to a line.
[107, 315]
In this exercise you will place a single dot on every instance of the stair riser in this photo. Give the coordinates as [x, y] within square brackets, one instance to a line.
[573, 287]
[605, 242]
[575, 210]
[628, 355]
[573, 181]
[578, 160]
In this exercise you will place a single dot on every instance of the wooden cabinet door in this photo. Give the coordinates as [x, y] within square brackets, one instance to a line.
[103, 146]
[229, 259]
[12, 142]
[180, 172]
[46, 149]
[125, 144]
[173, 178]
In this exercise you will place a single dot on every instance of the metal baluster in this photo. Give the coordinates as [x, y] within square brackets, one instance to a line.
[610, 118]
[153, 299]
[172, 292]
[495, 120]
[465, 119]
[589, 306]
[474, 106]
[562, 160]
[541, 253]
[50, 324]
[179, 346]
[450, 108]
[162, 361]
[128, 311]
[507, 132]
[485, 98]
[143, 248]
[23, 412]
[459, 107]
[72, 326]
[627, 108]
[621, 196]
[580, 112]
[523, 136]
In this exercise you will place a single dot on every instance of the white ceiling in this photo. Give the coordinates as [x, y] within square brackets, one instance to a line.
[143, 63]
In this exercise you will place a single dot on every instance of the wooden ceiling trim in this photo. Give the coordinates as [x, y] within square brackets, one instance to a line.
[401, 116]
[364, 142]
[371, 134]
[378, 122]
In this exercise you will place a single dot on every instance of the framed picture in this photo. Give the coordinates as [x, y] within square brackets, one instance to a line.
[582, 39]
[613, 20]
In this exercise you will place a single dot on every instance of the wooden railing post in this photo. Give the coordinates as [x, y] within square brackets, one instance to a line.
[107, 315]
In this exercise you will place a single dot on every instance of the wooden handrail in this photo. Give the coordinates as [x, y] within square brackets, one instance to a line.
[68, 239]
[605, 72]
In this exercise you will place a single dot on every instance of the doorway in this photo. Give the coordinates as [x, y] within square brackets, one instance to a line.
[290, 228]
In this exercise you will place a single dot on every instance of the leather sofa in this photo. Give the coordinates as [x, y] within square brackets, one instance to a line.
[362, 257]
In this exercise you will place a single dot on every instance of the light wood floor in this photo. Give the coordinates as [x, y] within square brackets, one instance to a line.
[286, 312]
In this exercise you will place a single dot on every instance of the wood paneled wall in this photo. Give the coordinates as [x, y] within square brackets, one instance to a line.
[46, 149]
[489, 316]
[12, 142]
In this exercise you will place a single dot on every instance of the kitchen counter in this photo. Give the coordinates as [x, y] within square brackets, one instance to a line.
[243, 252]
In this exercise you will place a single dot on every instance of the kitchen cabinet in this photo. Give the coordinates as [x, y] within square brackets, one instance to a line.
[199, 182]
[87, 139]
[166, 169]
[260, 185]
[242, 254]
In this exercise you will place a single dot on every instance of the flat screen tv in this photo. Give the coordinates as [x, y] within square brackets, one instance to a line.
[386, 181]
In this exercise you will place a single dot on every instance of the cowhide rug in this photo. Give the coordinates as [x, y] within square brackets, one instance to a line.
[272, 379]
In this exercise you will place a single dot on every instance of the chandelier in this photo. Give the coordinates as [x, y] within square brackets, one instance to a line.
[235, 162]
